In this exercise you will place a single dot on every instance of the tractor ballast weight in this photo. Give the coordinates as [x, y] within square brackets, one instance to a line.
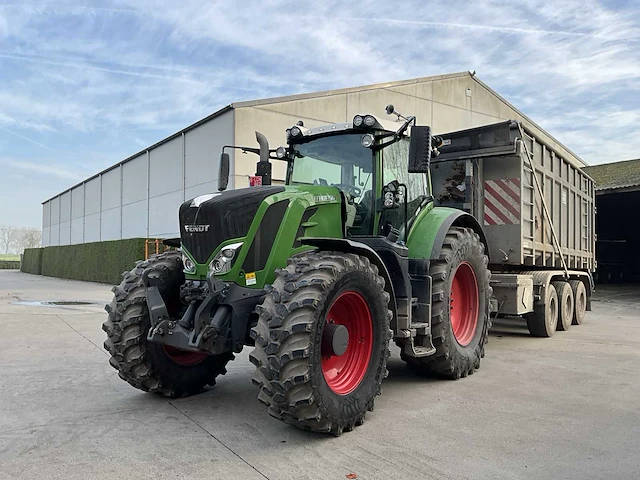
[317, 276]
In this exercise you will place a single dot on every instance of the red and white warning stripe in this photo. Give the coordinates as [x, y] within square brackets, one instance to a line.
[502, 201]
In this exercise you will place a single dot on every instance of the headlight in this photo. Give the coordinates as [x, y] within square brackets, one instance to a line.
[369, 121]
[281, 152]
[188, 265]
[388, 200]
[296, 132]
[223, 261]
[367, 140]
[357, 121]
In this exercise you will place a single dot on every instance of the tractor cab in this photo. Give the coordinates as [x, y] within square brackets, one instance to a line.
[380, 168]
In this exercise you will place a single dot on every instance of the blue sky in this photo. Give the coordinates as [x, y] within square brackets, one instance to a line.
[83, 85]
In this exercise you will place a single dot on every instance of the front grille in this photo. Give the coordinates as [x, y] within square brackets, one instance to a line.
[265, 237]
[227, 215]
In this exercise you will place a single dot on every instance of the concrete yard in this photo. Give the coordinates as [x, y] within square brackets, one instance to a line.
[565, 407]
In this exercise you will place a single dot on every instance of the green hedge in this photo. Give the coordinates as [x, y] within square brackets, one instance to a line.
[9, 264]
[102, 262]
[32, 260]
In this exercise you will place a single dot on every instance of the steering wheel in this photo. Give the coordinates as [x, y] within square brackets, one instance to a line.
[352, 190]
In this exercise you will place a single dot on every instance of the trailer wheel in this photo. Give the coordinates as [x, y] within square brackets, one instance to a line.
[322, 341]
[579, 300]
[544, 319]
[459, 313]
[565, 305]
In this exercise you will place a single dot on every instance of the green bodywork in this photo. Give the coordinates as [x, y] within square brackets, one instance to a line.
[325, 222]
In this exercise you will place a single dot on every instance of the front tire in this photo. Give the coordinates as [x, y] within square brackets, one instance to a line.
[150, 366]
[460, 307]
[321, 341]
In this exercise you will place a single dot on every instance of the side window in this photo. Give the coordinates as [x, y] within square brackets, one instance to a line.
[395, 159]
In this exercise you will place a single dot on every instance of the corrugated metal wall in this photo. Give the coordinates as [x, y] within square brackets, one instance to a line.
[140, 197]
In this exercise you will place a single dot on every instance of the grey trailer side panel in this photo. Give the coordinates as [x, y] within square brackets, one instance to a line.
[544, 221]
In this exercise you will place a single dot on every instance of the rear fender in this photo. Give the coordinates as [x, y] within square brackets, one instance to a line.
[428, 232]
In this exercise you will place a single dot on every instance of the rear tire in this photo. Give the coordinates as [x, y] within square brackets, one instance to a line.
[579, 300]
[148, 366]
[544, 319]
[459, 338]
[301, 382]
[565, 305]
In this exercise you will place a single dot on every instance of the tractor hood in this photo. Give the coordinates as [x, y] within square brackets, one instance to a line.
[208, 220]
[262, 224]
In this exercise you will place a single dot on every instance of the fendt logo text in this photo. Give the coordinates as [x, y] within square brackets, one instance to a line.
[196, 228]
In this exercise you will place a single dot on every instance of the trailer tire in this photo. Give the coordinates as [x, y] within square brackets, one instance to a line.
[544, 319]
[298, 381]
[146, 365]
[565, 305]
[579, 300]
[459, 340]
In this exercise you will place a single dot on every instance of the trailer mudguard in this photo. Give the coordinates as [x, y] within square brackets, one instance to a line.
[427, 233]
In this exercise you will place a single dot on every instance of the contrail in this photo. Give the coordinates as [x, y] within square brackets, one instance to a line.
[468, 26]
[27, 139]
[68, 8]
[103, 69]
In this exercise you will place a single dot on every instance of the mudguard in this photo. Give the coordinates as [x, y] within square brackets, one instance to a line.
[430, 228]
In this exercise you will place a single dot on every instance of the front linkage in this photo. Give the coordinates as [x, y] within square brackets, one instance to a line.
[216, 319]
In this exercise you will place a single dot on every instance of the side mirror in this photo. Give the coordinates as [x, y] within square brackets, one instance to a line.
[420, 149]
[223, 172]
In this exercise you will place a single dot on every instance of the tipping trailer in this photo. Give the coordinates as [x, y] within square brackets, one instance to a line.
[539, 228]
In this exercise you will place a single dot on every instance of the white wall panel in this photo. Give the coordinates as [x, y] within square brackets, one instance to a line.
[92, 196]
[55, 211]
[134, 220]
[203, 146]
[209, 187]
[111, 189]
[134, 180]
[77, 202]
[166, 168]
[65, 207]
[54, 235]
[65, 233]
[92, 228]
[77, 230]
[45, 236]
[163, 215]
[46, 219]
[110, 224]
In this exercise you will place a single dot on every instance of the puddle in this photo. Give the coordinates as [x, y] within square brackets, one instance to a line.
[54, 303]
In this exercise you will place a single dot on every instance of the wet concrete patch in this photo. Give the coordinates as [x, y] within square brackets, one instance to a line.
[54, 303]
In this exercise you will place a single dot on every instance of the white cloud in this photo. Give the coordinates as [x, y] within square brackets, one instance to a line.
[90, 82]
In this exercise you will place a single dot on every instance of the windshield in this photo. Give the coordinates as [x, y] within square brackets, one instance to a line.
[339, 160]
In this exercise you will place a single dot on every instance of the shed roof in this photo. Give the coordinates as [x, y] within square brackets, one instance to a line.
[611, 176]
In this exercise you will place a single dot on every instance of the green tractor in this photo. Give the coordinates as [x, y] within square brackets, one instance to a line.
[317, 276]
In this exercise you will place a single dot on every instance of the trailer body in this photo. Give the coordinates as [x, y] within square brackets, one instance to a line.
[537, 209]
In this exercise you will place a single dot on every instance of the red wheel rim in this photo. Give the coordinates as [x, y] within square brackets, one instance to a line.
[184, 357]
[343, 373]
[464, 304]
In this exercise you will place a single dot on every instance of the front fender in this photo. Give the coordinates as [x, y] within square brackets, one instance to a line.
[427, 233]
[350, 246]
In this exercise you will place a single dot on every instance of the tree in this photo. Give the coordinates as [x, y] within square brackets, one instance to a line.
[8, 237]
[30, 238]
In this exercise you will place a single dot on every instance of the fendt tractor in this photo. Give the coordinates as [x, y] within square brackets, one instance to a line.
[319, 275]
